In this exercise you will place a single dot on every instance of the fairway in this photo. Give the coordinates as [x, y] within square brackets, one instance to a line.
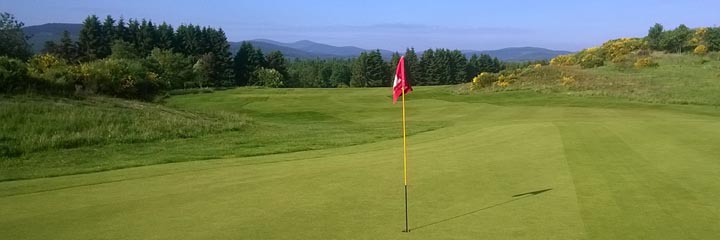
[507, 165]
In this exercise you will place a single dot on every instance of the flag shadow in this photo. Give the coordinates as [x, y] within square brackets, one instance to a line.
[516, 197]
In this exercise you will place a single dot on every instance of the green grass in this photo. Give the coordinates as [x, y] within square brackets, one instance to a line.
[327, 164]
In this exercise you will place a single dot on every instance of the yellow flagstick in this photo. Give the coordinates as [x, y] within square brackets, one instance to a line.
[404, 157]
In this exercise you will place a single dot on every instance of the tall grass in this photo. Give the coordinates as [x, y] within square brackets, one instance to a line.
[32, 124]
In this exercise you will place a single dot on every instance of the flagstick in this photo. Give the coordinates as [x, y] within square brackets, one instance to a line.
[405, 158]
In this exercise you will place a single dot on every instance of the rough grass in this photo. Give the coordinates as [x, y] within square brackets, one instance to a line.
[679, 79]
[498, 165]
[51, 137]
[34, 124]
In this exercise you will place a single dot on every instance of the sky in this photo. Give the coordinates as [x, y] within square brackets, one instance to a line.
[396, 24]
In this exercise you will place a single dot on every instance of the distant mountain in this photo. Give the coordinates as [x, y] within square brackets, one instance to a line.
[301, 49]
[308, 49]
[50, 32]
[519, 54]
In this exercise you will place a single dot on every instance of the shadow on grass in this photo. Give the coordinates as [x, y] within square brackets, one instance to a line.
[516, 197]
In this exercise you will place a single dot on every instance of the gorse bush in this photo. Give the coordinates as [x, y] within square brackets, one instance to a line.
[484, 79]
[119, 78]
[645, 63]
[591, 57]
[564, 60]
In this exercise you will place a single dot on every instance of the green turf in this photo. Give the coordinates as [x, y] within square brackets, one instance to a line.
[327, 164]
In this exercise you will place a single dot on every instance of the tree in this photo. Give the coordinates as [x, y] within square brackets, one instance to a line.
[122, 50]
[712, 38]
[13, 42]
[147, 38]
[359, 77]
[412, 66]
[241, 64]
[676, 40]
[392, 65]
[173, 69]
[341, 74]
[654, 37]
[377, 70]
[426, 68]
[66, 49]
[165, 36]
[269, 78]
[202, 69]
[276, 60]
[107, 36]
[90, 39]
[473, 66]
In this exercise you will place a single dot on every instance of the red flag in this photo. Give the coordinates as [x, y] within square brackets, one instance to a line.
[400, 85]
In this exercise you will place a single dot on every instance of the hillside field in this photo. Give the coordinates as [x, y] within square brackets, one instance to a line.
[526, 162]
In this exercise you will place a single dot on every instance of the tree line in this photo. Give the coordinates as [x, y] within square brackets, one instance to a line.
[140, 59]
[683, 39]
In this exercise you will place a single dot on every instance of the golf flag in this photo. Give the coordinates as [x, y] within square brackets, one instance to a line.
[400, 88]
[400, 85]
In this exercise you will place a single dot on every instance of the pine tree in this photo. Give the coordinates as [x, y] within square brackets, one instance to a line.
[359, 76]
[426, 67]
[146, 38]
[107, 36]
[392, 65]
[67, 49]
[241, 64]
[90, 39]
[412, 66]
[166, 37]
[378, 73]
[121, 31]
[473, 66]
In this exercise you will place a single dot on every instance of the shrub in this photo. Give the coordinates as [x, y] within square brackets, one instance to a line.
[269, 77]
[118, 77]
[567, 80]
[563, 60]
[617, 50]
[173, 69]
[700, 50]
[590, 58]
[13, 74]
[644, 63]
[484, 79]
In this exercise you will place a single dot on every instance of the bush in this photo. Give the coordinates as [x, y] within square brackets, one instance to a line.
[53, 71]
[13, 74]
[567, 80]
[269, 78]
[564, 60]
[617, 50]
[700, 50]
[484, 79]
[645, 63]
[590, 57]
[119, 78]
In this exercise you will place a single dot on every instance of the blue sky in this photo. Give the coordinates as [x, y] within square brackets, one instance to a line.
[395, 25]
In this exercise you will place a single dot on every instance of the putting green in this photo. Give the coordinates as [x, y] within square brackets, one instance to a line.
[505, 169]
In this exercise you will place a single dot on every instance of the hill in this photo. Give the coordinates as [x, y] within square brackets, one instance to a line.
[40, 34]
[519, 54]
[307, 49]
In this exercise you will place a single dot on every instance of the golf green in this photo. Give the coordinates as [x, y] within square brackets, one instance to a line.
[483, 167]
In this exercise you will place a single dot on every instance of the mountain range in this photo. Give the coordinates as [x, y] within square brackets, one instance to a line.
[304, 49]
